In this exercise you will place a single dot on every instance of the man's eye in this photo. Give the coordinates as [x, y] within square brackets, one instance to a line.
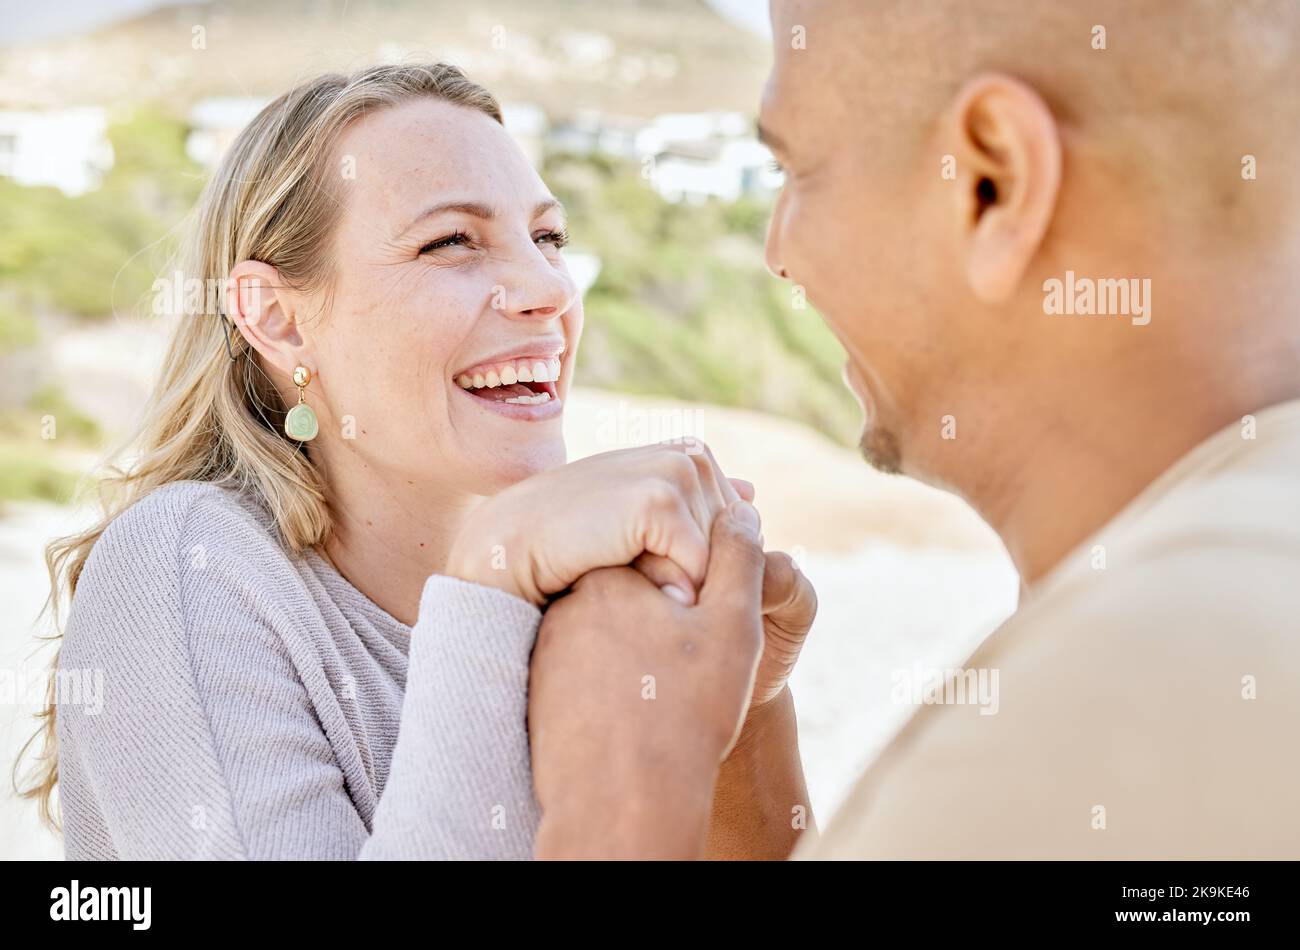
[451, 240]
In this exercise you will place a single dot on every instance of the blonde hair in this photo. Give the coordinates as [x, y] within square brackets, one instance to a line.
[213, 412]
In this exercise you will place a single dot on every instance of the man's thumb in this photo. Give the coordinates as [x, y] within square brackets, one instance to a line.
[735, 572]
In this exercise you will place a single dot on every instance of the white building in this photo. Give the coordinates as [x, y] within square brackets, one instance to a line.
[67, 149]
[691, 127]
[589, 131]
[702, 156]
[686, 156]
[214, 123]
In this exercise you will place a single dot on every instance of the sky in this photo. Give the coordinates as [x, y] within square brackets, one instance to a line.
[22, 21]
[751, 14]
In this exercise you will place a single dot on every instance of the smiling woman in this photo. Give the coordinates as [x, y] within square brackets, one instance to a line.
[315, 641]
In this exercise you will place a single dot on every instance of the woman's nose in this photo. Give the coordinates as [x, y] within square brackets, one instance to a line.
[543, 290]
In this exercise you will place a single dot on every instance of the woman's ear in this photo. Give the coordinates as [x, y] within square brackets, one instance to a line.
[263, 310]
[1008, 151]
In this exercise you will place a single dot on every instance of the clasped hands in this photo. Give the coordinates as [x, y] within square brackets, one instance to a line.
[658, 703]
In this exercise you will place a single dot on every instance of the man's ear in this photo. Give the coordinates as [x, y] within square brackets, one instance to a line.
[1008, 152]
[263, 310]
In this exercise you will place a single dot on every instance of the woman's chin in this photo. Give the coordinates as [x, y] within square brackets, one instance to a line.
[501, 469]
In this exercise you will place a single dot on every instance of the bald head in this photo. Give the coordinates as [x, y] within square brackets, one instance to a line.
[1149, 55]
[949, 161]
[1171, 91]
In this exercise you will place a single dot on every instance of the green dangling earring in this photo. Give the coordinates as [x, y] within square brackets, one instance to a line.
[300, 423]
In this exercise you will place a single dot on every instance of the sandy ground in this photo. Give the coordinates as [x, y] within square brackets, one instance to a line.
[904, 574]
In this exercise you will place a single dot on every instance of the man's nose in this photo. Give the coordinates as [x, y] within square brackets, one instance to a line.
[772, 249]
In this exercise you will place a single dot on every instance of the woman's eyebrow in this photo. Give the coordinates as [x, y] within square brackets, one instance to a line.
[473, 208]
[478, 210]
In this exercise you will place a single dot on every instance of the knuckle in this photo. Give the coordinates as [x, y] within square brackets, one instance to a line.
[703, 464]
[679, 467]
[780, 570]
[700, 450]
[783, 562]
[660, 496]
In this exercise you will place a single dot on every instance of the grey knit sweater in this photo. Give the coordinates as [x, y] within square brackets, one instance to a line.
[257, 705]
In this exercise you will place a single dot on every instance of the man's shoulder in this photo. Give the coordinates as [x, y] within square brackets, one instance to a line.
[1219, 556]
[1133, 694]
[1142, 699]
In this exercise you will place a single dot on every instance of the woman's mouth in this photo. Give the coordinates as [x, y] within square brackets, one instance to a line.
[523, 382]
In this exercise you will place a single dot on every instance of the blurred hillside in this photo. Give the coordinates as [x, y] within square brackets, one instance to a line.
[637, 57]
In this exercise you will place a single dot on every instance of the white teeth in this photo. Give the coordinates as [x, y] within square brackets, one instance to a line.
[534, 400]
[507, 374]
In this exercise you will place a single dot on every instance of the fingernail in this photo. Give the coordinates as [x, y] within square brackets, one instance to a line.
[746, 516]
[677, 594]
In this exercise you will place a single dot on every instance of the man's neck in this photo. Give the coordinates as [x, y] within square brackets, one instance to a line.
[1077, 473]
[390, 534]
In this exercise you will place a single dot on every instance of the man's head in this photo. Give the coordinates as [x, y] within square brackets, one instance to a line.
[946, 160]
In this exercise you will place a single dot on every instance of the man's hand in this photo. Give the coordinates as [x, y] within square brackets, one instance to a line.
[760, 801]
[789, 608]
[635, 700]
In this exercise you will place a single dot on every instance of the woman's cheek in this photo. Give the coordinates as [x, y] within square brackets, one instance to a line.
[573, 322]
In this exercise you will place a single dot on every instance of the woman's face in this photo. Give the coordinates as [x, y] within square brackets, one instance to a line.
[448, 274]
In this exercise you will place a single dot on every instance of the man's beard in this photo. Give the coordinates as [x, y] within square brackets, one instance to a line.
[880, 449]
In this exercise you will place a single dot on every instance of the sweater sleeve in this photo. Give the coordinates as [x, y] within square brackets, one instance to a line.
[193, 736]
[461, 781]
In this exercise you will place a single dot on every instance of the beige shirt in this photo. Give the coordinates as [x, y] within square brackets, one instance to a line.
[1147, 708]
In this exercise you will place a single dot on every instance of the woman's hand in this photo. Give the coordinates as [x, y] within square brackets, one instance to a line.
[652, 504]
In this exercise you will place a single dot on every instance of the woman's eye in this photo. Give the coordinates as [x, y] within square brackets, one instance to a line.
[451, 240]
[557, 238]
